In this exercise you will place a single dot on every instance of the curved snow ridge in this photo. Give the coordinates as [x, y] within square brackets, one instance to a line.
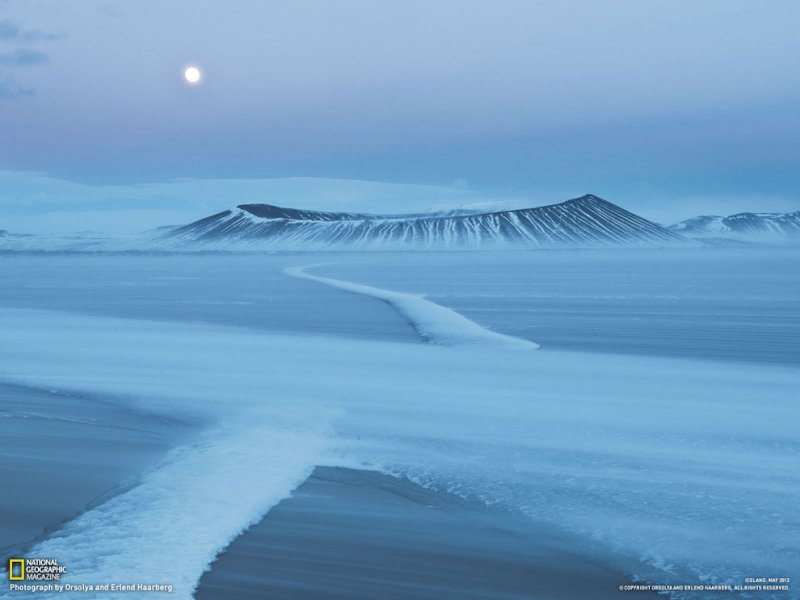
[184, 512]
[436, 324]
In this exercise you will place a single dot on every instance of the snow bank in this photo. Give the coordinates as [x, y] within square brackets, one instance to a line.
[434, 323]
[171, 526]
[691, 468]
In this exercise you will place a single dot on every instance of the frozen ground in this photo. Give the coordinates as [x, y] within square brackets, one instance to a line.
[61, 452]
[239, 290]
[725, 304]
[700, 304]
[347, 534]
[687, 467]
[434, 324]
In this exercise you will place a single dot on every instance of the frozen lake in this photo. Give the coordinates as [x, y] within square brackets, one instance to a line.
[701, 303]
[239, 290]
[657, 422]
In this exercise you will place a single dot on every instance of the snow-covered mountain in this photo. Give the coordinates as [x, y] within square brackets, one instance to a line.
[584, 221]
[752, 226]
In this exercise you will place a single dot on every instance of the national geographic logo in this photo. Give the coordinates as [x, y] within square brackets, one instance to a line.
[35, 569]
[16, 569]
[41, 575]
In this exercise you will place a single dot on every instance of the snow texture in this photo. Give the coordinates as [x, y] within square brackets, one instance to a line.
[435, 324]
[690, 472]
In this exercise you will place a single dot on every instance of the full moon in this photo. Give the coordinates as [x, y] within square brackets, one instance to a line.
[192, 75]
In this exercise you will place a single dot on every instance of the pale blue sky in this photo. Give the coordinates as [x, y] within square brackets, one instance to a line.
[669, 108]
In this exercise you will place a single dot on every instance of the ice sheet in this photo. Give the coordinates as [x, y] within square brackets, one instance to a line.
[434, 323]
[692, 469]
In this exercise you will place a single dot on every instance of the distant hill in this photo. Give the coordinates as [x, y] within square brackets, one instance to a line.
[582, 222]
[743, 226]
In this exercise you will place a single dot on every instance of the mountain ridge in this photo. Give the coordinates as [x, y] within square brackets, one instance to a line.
[584, 221]
[757, 226]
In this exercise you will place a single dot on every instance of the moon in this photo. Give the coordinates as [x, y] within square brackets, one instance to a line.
[192, 75]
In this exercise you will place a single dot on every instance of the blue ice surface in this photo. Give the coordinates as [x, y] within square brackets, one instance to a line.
[724, 304]
[242, 290]
[721, 304]
[664, 472]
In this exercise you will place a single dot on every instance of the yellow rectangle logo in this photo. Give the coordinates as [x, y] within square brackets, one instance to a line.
[18, 565]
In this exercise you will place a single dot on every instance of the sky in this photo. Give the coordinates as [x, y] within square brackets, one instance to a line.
[668, 108]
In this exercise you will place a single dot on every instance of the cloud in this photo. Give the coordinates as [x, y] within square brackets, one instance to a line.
[10, 89]
[21, 57]
[8, 30]
[12, 31]
[24, 57]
